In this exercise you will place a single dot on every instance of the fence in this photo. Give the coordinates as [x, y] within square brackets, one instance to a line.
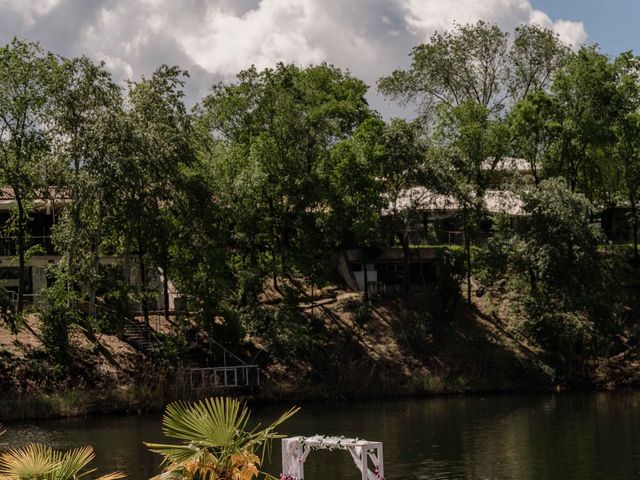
[223, 377]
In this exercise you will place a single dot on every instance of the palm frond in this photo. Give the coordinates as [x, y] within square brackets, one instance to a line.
[213, 421]
[216, 442]
[176, 454]
[34, 461]
[39, 462]
[178, 474]
[71, 463]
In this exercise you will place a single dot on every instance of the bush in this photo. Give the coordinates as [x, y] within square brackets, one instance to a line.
[55, 319]
[570, 289]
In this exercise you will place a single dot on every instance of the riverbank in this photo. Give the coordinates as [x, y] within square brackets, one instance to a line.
[357, 350]
[143, 400]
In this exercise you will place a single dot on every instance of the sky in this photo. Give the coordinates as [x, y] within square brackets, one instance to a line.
[214, 39]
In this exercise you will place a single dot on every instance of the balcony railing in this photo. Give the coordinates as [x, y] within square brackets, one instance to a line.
[9, 245]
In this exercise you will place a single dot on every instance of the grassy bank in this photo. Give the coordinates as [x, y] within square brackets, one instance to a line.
[355, 383]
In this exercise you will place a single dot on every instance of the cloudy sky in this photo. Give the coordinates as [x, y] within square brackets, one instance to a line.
[213, 39]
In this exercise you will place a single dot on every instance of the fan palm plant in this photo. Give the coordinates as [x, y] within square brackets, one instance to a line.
[39, 462]
[215, 442]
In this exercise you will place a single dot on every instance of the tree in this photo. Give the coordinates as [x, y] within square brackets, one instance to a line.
[162, 120]
[199, 247]
[533, 130]
[477, 63]
[409, 178]
[86, 143]
[535, 56]
[627, 133]
[28, 79]
[586, 103]
[156, 148]
[573, 292]
[469, 63]
[271, 132]
[354, 196]
[215, 440]
[474, 143]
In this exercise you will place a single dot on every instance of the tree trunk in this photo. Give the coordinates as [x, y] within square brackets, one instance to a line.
[406, 265]
[143, 285]
[75, 214]
[21, 252]
[533, 283]
[467, 251]
[634, 226]
[365, 275]
[274, 265]
[165, 291]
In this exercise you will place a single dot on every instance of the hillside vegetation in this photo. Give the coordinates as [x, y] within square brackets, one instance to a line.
[240, 204]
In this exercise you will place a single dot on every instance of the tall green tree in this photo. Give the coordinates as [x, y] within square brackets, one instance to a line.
[272, 131]
[355, 192]
[409, 180]
[627, 138]
[477, 63]
[83, 120]
[535, 55]
[586, 103]
[467, 63]
[474, 143]
[29, 77]
[533, 130]
[152, 172]
[573, 291]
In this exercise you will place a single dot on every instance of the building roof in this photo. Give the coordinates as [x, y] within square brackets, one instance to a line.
[43, 198]
[508, 164]
[421, 198]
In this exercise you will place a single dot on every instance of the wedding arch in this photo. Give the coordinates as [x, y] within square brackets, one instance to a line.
[367, 455]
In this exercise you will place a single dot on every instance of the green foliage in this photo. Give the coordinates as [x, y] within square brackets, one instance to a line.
[362, 313]
[267, 137]
[274, 172]
[288, 331]
[533, 129]
[473, 142]
[39, 462]
[555, 250]
[7, 311]
[585, 106]
[443, 295]
[55, 319]
[477, 63]
[28, 80]
[216, 441]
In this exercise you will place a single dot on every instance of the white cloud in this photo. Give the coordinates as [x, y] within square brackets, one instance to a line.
[29, 10]
[426, 16]
[214, 39]
[276, 31]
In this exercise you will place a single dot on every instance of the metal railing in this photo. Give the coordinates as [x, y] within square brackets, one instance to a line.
[223, 377]
[9, 245]
[37, 299]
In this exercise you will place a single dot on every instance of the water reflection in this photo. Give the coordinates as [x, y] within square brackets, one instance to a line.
[507, 437]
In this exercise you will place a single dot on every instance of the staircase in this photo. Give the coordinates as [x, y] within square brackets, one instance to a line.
[140, 335]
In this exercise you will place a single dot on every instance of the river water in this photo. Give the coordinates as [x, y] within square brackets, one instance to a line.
[532, 437]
